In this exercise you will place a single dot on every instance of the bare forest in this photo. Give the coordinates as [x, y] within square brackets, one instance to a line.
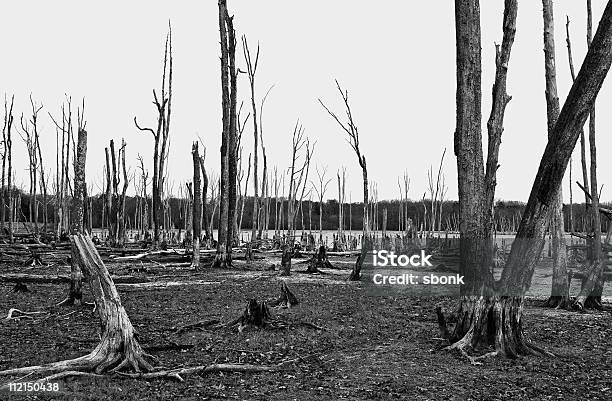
[240, 274]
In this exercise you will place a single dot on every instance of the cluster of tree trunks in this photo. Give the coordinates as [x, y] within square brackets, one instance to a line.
[227, 187]
[490, 313]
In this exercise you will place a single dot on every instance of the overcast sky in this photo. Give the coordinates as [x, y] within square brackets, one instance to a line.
[396, 58]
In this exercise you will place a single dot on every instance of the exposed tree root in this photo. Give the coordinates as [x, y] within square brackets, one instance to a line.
[558, 302]
[201, 325]
[489, 322]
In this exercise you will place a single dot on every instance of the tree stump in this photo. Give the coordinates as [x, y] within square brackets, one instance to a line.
[286, 298]
[34, 259]
[255, 315]
[248, 254]
[286, 260]
[318, 261]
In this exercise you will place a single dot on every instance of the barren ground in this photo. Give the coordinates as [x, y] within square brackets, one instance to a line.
[371, 347]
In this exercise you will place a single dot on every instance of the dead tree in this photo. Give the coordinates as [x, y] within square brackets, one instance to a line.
[251, 71]
[560, 287]
[320, 190]
[407, 225]
[163, 106]
[341, 201]
[435, 191]
[30, 138]
[241, 199]
[496, 318]
[115, 200]
[207, 232]
[475, 208]
[353, 139]
[585, 174]
[264, 218]
[227, 188]
[62, 183]
[197, 206]
[75, 294]
[7, 160]
[298, 175]
[38, 161]
[590, 293]
[214, 200]
[118, 348]
[144, 216]
[242, 196]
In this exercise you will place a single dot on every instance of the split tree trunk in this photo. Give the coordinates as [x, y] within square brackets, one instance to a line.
[227, 187]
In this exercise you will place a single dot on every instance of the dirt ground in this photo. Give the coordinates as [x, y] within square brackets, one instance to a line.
[371, 347]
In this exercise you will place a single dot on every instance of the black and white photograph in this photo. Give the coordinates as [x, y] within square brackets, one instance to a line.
[306, 200]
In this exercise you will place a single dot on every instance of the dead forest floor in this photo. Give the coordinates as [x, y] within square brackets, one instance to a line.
[372, 347]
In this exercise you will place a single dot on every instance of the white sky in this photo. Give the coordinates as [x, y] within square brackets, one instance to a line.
[396, 58]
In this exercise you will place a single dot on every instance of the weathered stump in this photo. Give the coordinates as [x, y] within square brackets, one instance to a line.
[255, 315]
[248, 254]
[286, 260]
[319, 261]
[286, 298]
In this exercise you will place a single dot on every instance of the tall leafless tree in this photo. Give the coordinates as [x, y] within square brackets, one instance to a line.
[7, 160]
[227, 189]
[496, 317]
[163, 106]
[560, 287]
[352, 132]
[197, 207]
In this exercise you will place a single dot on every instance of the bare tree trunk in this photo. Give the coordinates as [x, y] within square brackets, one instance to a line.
[75, 293]
[227, 188]
[590, 293]
[160, 137]
[197, 207]
[526, 248]
[8, 116]
[353, 134]
[251, 70]
[207, 233]
[560, 286]
[121, 217]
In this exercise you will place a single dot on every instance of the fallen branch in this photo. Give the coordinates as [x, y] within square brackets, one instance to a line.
[12, 312]
[62, 278]
[221, 367]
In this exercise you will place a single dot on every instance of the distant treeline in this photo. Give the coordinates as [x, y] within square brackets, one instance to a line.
[507, 213]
